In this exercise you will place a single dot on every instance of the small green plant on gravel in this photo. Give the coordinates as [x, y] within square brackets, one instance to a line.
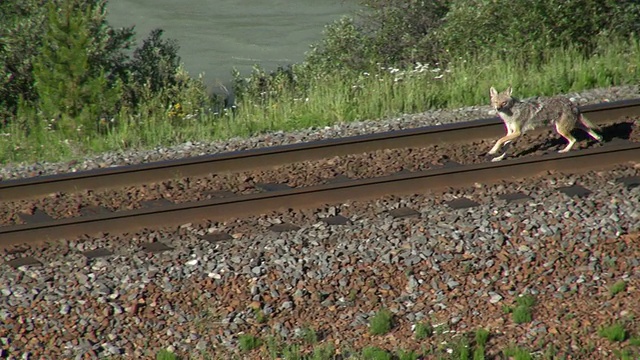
[374, 353]
[248, 342]
[460, 349]
[517, 353]
[166, 355]
[323, 352]
[423, 330]
[309, 335]
[291, 352]
[625, 354]
[550, 352]
[407, 355]
[610, 262]
[522, 312]
[615, 332]
[261, 317]
[353, 294]
[634, 341]
[481, 337]
[618, 287]
[478, 353]
[440, 329]
[381, 322]
[273, 347]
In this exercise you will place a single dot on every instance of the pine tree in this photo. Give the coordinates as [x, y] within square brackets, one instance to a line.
[71, 90]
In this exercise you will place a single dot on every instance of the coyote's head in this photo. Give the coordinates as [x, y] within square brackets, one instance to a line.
[503, 101]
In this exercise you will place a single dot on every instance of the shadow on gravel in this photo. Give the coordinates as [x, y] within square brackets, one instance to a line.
[617, 131]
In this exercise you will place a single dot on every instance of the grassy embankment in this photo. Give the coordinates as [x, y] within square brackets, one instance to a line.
[332, 99]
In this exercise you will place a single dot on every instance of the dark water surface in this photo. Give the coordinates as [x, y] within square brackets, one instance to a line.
[217, 35]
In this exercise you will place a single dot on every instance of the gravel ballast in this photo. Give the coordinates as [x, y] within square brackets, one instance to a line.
[446, 266]
[458, 269]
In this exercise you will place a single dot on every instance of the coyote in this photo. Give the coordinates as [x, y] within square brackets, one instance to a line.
[520, 116]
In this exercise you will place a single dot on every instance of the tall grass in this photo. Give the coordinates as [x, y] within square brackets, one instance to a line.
[329, 99]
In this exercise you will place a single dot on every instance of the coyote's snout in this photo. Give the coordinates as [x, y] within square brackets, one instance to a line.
[520, 116]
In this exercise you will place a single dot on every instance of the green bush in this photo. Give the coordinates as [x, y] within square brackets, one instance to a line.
[423, 330]
[381, 322]
[23, 28]
[374, 353]
[386, 32]
[523, 29]
[248, 342]
[166, 355]
[618, 287]
[615, 332]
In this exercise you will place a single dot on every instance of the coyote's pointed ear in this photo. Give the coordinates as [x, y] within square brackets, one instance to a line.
[509, 90]
[493, 92]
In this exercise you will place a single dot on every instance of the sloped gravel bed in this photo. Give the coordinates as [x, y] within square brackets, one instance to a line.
[406, 121]
[356, 166]
[457, 269]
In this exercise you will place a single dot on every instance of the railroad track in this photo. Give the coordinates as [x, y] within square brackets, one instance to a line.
[167, 215]
[41, 227]
[270, 157]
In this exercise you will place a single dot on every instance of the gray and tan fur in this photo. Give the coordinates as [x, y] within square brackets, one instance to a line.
[521, 116]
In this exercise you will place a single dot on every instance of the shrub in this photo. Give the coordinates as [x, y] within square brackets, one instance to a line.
[381, 322]
[423, 330]
[517, 353]
[407, 355]
[374, 353]
[615, 332]
[520, 29]
[166, 355]
[522, 312]
[323, 352]
[482, 335]
[248, 342]
[618, 287]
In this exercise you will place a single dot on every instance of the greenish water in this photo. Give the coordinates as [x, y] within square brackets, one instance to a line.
[217, 35]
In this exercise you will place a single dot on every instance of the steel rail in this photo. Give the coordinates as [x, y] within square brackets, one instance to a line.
[279, 155]
[305, 197]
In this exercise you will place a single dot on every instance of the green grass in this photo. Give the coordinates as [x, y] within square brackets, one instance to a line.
[423, 330]
[614, 332]
[374, 353]
[328, 99]
[166, 355]
[248, 342]
[381, 322]
[291, 352]
[517, 353]
[309, 335]
[618, 287]
[522, 312]
[481, 338]
[407, 355]
[323, 352]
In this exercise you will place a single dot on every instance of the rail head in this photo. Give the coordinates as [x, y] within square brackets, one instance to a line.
[277, 155]
[331, 193]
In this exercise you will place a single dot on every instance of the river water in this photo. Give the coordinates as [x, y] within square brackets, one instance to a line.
[217, 35]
